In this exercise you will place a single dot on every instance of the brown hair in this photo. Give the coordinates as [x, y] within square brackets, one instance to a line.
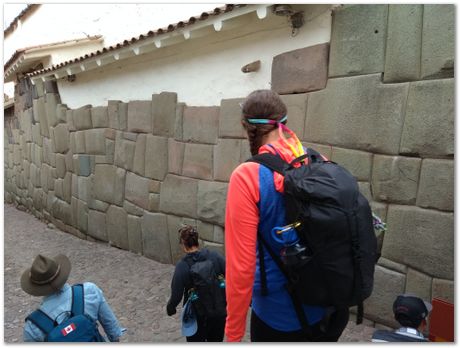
[262, 103]
[188, 236]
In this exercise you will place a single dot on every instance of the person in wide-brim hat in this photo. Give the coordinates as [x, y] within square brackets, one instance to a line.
[46, 276]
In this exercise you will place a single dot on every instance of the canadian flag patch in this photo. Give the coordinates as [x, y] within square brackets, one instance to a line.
[68, 329]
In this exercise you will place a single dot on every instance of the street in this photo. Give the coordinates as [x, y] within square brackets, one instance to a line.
[137, 288]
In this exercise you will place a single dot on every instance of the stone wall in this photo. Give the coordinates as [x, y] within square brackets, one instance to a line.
[379, 99]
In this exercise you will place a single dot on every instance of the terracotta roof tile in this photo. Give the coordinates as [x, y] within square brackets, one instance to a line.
[160, 31]
[21, 51]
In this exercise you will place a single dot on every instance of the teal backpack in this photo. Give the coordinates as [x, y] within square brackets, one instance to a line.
[79, 327]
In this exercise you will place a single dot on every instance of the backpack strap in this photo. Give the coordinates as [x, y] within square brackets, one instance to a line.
[290, 287]
[42, 321]
[78, 303]
[271, 161]
[353, 228]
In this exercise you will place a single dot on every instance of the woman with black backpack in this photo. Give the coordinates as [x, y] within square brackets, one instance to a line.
[255, 209]
[199, 278]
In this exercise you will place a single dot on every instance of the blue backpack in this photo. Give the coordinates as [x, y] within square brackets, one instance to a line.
[79, 327]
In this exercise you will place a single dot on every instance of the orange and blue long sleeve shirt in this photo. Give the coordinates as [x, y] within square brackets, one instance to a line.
[255, 202]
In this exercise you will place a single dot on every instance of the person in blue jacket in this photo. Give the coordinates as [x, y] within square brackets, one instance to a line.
[47, 277]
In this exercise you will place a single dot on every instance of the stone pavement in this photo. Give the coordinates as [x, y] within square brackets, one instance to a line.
[136, 287]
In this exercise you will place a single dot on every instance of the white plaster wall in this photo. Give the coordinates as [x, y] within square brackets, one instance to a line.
[204, 71]
[116, 22]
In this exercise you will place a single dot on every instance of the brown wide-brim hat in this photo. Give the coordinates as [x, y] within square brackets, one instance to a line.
[46, 276]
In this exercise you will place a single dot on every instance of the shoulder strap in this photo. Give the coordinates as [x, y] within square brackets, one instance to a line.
[42, 321]
[270, 161]
[78, 303]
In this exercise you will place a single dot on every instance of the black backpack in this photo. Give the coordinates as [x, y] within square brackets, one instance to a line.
[209, 287]
[336, 231]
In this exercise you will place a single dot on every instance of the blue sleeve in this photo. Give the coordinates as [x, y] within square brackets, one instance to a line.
[32, 333]
[107, 318]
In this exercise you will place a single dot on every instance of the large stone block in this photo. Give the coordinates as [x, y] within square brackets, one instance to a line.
[123, 115]
[227, 154]
[137, 190]
[134, 234]
[201, 124]
[51, 102]
[139, 155]
[124, 152]
[212, 197]
[297, 112]
[109, 184]
[358, 40]
[397, 267]
[164, 113]
[154, 202]
[39, 109]
[155, 237]
[210, 232]
[44, 174]
[230, 119]
[418, 284]
[178, 124]
[198, 161]
[404, 43]
[61, 113]
[175, 156]
[429, 122]
[69, 117]
[156, 157]
[443, 289]
[98, 205]
[25, 120]
[97, 227]
[387, 286]
[80, 142]
[82, 165]
[82, 118]
[61, 210]
[359, 163]
[436, 189]
[132, 209]
[61, 137]
[36, 136]
[95, 141]
[217, 247]
[60, 165]
[85, 188]
[438, 41]
[99, 117]
[48, 148]
[140, 116]
[112, 113]
[422, 239]
[245, 151]
[117, 227]
[67, 186]
[82, 216]
[357, 112]
[395, 179]
[179, 195]
[301, 70]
